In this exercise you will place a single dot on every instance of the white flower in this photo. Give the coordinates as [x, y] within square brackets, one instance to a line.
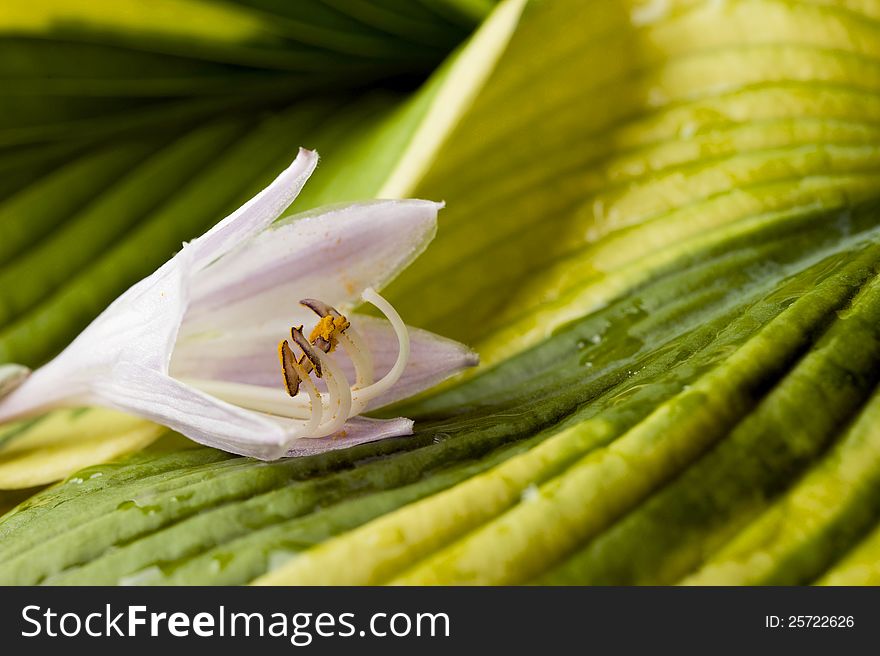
[195, 345]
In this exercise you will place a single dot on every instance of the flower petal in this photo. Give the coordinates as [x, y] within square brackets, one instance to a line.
[329, 254]
[256, 214]
[218, 424]
[250, 356]
[358, 430]
[141, 326]
[201, 417]
[432, 359]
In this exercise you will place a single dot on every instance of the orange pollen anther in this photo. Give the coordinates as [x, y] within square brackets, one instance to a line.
[328, 328]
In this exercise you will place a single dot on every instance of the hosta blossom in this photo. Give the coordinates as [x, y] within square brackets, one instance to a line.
[196, 345]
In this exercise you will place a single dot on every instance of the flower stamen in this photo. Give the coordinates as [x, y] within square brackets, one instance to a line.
[365, 395]
[316, 404]
[289, 368]
[324, 412]
[326, 333]
[334, 329]
[310, 358]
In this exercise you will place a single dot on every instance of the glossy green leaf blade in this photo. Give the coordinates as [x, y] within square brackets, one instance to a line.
[586, 150]
[235, 519]
[801, 534]
[791, 427]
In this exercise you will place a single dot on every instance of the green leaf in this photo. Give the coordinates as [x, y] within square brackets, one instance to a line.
[797, 536]
[42, 450]
[587, 152]
[115, 57]
[561, 419]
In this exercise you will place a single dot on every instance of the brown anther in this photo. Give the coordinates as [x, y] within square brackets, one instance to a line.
[291, 377]
[319, 307]
[332, 323]
[309, 354]
[323, 337]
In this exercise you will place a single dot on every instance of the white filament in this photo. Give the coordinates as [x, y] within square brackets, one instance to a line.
[339, 393]
[316, 403]
[363, 396]
[360, 357]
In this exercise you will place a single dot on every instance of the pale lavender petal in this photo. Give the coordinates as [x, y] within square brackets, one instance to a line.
[330, 254]
[432, 358]
[251, 357]
[140, 326]
[201, 417]
[256, 214]
[358, 430]
[240, 357]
